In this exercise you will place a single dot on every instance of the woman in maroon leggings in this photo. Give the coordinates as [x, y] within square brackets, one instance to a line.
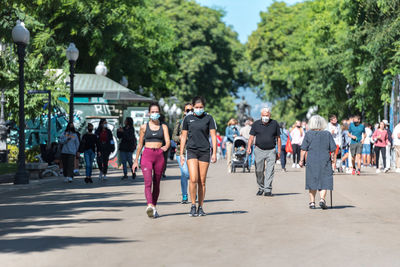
[152, 136]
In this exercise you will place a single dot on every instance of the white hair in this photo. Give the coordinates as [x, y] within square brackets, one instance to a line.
[265, 109]
[316, 122]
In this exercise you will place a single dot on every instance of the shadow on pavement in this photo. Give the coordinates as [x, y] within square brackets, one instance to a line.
[342, 207]
[47, 243]
[284, 194]
[208, 213]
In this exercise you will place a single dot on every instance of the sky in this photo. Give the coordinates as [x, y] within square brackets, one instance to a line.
[243, 16]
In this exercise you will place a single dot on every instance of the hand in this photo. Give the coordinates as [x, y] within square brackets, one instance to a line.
[214, 158]
[99, 154]
[249, 150]
[278, 156]
[120, 129]
[134, 166]
[182, 160]
[164, 148]
[78, 154]
[301, 163]
[353, 137]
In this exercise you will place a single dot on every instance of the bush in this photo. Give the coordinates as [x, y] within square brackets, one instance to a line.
[29, 154]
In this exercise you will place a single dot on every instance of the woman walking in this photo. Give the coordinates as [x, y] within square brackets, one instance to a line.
[153, 136]
[231, 132]
[176, 136]
[380, 138]
[106, 146]
[296, 137]
[127, 146]
[318, 144]
[70, 147]
[196, 131]
[89, 145]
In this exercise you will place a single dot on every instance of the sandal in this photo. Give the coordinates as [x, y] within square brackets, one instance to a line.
[311, 205]
[322, 204]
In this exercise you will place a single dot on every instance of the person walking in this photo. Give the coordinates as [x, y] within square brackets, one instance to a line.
[154, 137]
[345, 147]
[267, 134]
[176, 136]
[318, 144]
[296, 137]
[357, 135]
[197, 129]
[388, 145]
[245, 132]
[284, 138]
[396, 143]
[380, 137]
[336, 131]
[231, 132]
[366, 152]
[127, 146]
[70, 146]
[106, 146]
[89, 144]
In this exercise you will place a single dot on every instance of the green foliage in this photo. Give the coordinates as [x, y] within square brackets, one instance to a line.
[29, 154]
[8, 168]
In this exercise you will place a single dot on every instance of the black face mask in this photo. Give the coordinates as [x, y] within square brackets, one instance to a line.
[90, 130]
[298, 126]
[357, 123]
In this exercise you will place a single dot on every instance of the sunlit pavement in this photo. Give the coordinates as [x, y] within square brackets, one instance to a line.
[50, 223]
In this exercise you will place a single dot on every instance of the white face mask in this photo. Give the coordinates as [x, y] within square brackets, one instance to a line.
[265, 119]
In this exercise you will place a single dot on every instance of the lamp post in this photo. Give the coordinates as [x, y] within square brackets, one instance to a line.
[3, 131]
[72, 56]
[21, 37]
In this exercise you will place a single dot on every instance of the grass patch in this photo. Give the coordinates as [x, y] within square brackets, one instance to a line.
[6, 168]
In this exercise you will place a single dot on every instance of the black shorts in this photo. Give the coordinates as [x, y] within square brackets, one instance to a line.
[203, 156]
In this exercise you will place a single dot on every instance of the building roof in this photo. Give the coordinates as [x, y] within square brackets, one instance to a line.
[111, 90]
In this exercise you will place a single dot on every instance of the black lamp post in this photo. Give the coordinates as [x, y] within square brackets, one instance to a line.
[72, 56]
[21, 37]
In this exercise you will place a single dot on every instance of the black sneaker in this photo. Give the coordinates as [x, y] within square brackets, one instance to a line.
[87, 180]
[260, 192]
[90, 180]
[193, 211]
[125, 177]
[322, 204]
[133, 175]
[200, 212]
[268, 194]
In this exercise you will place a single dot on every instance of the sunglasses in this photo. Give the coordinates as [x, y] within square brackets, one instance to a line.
[189, 110]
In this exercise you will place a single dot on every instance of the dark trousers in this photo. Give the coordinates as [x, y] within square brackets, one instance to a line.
[68, 161]
[102, 161]
[383, 151]
[283, 157]
[296, 153]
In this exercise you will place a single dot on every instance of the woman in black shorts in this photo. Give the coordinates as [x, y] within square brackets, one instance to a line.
[196, 131]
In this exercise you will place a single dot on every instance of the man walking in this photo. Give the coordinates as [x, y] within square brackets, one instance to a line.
[396, 143]
[357, 135]
[267, 134]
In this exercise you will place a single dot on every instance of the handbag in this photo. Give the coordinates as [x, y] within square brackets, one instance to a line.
[288, 147]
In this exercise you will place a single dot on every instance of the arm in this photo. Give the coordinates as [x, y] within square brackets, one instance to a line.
[120, 133]
[166, 139]
[213, 134]
[249, 144]
[279, 147]
[183, 140]
[302, 157]
[63, 139]
[176, 133]
[139, 147]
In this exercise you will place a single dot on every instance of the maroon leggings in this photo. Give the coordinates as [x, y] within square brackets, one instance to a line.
[152, 164]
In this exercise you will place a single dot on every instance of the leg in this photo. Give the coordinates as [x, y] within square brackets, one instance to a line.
[64, 160]
[105, 157]
[147, 170]
[203, 167]
[377, 157]
[123, 157]
[397, 149]
[312, 195]
[159, 167]
[184, 176]
[322, 194]
[193, 166]
[270, 170]
[229, 155]
[283, 157]
[129, 159]
[383, 150]
[87, 156]
[260, 167]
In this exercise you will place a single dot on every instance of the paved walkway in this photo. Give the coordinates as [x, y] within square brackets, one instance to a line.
[50, 223]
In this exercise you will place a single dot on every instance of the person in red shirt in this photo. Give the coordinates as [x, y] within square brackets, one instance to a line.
[381, 139]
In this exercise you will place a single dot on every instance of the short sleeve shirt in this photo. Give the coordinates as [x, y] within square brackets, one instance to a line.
[199, 131]
[357, 131]
[265, 134]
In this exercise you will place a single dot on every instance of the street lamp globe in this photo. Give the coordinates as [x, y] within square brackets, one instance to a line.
[178, 111]
[173, 108]
[20, 34]
[161, 102]
[72, 53]
[101, 69]
[166, 108]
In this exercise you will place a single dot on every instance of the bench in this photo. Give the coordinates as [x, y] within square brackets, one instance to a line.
[36, 169]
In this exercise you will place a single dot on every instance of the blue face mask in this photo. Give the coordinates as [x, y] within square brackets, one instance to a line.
[154, 116]
[198, 111]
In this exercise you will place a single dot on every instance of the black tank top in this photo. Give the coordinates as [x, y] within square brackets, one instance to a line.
[154, 136]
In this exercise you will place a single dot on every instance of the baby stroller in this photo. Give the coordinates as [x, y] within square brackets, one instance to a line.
[239, 154]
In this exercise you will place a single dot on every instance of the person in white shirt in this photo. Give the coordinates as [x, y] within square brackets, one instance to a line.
[396, 143]
[336, 131]
[366, 152]
[245, 131]
[296, 137]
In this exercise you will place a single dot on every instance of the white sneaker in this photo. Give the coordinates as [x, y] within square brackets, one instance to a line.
[378, 171]
[104, 177]
[386, 170]
[155, 214]
[150, 211]
[70, 179]
[297, 166]
[398, 170]
[348, 171]
[294, 165]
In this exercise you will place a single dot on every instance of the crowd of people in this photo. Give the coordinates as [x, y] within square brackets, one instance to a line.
[322, 146]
